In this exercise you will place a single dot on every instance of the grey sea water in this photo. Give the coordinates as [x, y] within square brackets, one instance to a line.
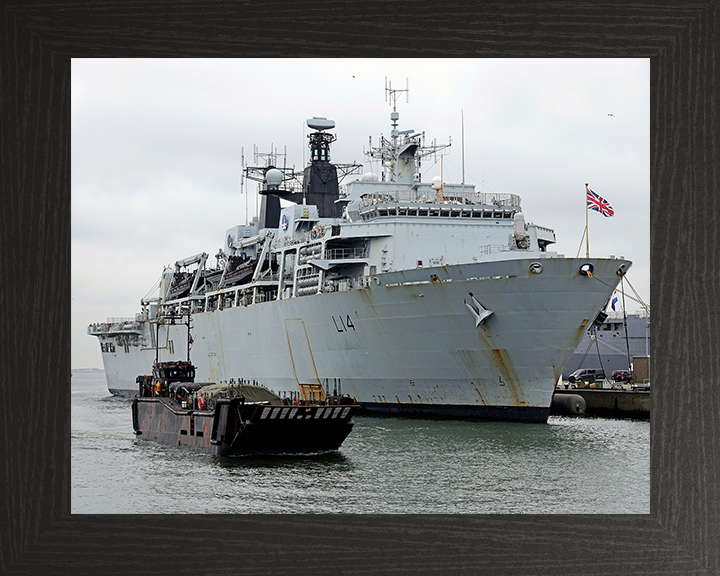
[569, 466]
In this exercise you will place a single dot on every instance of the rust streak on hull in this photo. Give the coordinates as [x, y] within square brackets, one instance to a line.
[504, 363]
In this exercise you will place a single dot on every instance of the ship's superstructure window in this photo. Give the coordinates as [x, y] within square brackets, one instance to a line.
[372, 213]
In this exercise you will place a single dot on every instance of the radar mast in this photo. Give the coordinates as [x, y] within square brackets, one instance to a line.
[401, 155]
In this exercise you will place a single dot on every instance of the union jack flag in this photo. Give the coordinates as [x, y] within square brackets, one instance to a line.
[595, 202]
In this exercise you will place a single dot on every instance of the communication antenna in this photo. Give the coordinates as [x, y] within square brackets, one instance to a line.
[242, 180]
[395, 115]
[462, 123]
[394, 93]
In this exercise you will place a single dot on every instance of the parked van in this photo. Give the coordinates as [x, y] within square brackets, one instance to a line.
[586, 375]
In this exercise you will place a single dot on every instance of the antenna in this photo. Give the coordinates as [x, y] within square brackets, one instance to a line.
[242, 180]
[393, 94]
[462, 123]
[394, 115]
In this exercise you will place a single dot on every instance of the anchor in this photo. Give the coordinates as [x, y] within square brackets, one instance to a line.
[479, 313]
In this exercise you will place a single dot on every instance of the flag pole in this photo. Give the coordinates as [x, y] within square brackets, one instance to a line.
[581, 243]
[587, 232]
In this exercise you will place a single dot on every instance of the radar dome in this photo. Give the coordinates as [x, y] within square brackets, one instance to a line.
[369, 177]
[273, 178]
[436, 183]
[317, 123]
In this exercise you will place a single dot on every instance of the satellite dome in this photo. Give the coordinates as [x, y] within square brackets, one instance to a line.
[437, 183]
[369, 177]
[273, 178]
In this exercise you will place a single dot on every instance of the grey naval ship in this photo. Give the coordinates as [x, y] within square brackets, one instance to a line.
[415, 298]
[613, 344]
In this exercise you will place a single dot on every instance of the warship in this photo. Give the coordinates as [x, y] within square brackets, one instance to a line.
[414, 298]
[613, 344]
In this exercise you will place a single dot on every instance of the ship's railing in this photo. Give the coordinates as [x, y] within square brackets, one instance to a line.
[345, 253]
[425, 196]
[493, 249]
[618, 315]
[343, 284]
[114, 325]
[316, 233]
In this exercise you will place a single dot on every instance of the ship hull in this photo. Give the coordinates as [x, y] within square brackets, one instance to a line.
[457, 412]
[409, 343]
[233, 428]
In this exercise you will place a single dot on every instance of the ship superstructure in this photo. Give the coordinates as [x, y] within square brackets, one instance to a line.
[415, 298]
[613, 345]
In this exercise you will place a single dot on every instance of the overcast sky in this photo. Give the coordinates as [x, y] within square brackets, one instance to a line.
[157, 147]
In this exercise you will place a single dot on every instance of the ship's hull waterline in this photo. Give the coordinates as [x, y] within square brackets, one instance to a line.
[407, 344]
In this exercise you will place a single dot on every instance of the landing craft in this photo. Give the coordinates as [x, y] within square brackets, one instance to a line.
[424, 299]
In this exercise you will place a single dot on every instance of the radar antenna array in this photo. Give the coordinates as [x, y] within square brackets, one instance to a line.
[266, 161]
[394, 93]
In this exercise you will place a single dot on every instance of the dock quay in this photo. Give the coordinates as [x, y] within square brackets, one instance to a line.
[604, 403]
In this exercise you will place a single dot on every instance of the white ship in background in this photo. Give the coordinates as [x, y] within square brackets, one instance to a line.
[415, 298]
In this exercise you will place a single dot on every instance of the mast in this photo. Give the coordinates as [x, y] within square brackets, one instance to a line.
[242, 181]
[462, 136]
[627, 339]
[587, 231]
[395, 115]
[401, 155]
